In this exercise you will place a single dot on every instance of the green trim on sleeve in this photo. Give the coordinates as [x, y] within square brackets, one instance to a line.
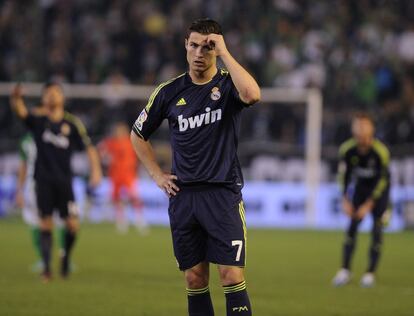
[384, 156]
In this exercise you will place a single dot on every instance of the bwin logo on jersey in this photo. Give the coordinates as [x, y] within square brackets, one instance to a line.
[198, 120]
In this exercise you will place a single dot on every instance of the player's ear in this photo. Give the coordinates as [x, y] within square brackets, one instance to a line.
[186, 42]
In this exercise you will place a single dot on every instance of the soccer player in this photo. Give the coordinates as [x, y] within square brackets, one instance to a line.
[364, 162]
[203, 108]
[57, 134]
[25, 193]
[122, 171]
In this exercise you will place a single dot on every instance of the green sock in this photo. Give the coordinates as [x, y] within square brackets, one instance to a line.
[61, 231]
[35, 231]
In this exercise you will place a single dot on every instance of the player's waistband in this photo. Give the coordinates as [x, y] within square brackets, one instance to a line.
[203, 186]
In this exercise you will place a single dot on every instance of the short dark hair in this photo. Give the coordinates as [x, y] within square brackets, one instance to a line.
[204, 26]
[363, 116]
[51, 83]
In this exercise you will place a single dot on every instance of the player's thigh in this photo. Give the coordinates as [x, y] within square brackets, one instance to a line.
[116, 191]
[380, 207]
[30, 210]
[45, 198]
[224, 221]
[65, 200]
[189, 238]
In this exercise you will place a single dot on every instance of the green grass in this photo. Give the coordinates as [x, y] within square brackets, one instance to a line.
[288, 273]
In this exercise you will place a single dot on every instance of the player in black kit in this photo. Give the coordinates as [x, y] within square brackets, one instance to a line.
[203, 108]
[57, 134]
[364, 163]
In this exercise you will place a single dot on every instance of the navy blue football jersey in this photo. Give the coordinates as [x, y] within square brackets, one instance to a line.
[55, 143]
[204, 123]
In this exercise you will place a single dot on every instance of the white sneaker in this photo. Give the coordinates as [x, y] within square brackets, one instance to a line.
[367, 280]
[341, 278]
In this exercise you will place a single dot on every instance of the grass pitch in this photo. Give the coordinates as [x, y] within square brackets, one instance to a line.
[288, 273]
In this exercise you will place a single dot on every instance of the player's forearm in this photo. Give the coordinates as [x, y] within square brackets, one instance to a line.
[247, 87]
[146, 155]
[94, 161]
[19, 107]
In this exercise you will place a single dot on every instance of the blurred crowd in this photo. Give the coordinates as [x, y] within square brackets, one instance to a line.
[359, 52]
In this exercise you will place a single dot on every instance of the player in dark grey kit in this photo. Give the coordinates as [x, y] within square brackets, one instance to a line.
[57, 134]
[203, 108]
[364, 163]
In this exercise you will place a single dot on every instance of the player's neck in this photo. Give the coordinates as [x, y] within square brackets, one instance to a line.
[203, 77]
[56, 115]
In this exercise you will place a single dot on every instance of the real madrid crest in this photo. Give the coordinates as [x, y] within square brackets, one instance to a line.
[215, 94]
[65, 129]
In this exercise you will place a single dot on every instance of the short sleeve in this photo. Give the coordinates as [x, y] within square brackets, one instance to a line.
[236, 96]
[80, 137]
[151, 116]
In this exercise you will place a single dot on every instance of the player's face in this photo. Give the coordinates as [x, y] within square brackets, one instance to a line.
[121, 130]
[201, 56]
[53, 97]
[363, 131]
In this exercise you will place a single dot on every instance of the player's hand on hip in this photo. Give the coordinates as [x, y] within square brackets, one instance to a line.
[347, 207]
[216, 41]
[165, 182]
[364, 209]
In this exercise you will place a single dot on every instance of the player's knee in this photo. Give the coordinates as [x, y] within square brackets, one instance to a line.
[196, 279]
[72, 224]
[46, 223]
[231, 275]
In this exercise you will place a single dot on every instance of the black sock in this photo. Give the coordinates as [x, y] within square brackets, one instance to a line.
[237, 300]
[69, 241]
[46, 249]
[349, 245]
[199, 302]
[375, 249]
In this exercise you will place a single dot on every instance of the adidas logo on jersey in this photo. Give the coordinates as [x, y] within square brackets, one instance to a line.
[197, 120]
[181, 102]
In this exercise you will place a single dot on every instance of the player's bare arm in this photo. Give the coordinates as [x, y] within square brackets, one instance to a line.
[95, 165]
[17, 102]
[247, 87]
[21, 179]
[347, 206]
[145, 153]
[365, 208]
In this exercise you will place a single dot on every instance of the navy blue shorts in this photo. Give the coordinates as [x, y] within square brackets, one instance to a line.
[55, 195]
[208, 224]
[381, 205]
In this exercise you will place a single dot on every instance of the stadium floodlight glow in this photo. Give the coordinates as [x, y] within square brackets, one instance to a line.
[310, 97]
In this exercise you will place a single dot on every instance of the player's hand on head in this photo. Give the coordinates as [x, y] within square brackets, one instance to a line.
[165, 182]
[216, 41]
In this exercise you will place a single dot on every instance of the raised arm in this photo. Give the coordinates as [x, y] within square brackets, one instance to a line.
[247, 87]
[21, 179]
[146, 155]
[17, 103]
